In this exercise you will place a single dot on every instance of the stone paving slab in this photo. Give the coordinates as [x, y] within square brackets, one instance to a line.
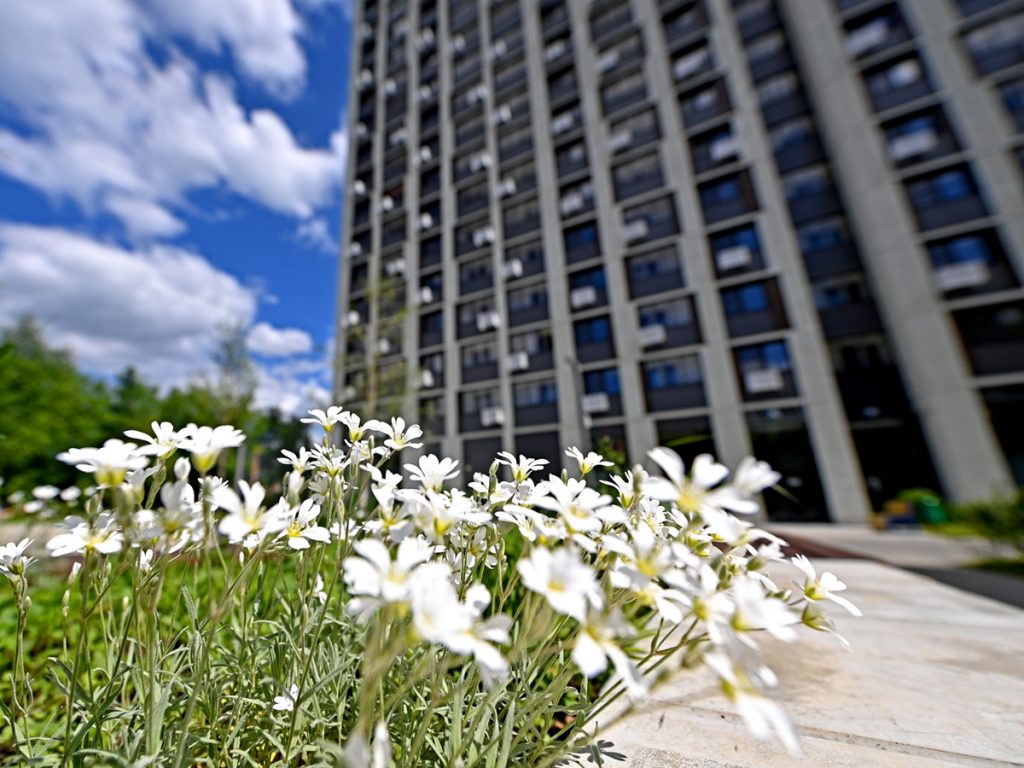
[905, 547]
[935, 678]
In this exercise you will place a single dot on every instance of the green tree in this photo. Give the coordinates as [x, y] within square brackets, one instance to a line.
[46, 406]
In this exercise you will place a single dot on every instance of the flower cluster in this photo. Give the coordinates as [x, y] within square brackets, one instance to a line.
[520, 568]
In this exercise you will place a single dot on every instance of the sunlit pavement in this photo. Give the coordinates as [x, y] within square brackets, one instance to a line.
[935, 678]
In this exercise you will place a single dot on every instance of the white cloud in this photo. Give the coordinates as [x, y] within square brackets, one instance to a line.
[261, 34]
[316, 234]
[264, 339]
[119, 132]
[158, 309]
[280, 388]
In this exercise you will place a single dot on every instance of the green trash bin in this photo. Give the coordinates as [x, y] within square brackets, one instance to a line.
[931, 512]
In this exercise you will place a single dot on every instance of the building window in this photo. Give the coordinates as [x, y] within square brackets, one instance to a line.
[737, 250]
[777, 88]
[998, 44]
[526, 298]
[634, 131]
[920, 137]
[597, 330]
[479, 355]
[535, 394]
[581, 242]
[822, 235]
[532, 343]
[677, 313]
[748, 299]
[651, 221]
[660, 267]
[605, 380]
[637, 176]
[621, 93]
[669, 374]
[806, 183]
[942, 188]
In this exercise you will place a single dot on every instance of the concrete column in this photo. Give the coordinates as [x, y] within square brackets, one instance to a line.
[920, 329]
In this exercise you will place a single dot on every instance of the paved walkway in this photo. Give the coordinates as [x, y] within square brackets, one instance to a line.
[935, 679]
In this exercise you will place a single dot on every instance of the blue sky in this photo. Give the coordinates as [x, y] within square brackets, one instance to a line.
[168, 166]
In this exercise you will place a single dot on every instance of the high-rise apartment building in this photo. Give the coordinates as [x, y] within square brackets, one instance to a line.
[787, 227]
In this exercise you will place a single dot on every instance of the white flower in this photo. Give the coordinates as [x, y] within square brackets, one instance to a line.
[318, 589]
[755, 610]
[297, 525]
[299, 462]
[431, 472]
[358, 430]
[522, 467]
[374, 574]
[595, 645]
[823, 587]
[698, 493]
[359, 754]
[102, 536]
[589, 462]
[753, 476]
[13, 560]
[400, 436]
[440, 618]
[287, 701]
[108, 464]
[582, 509]
[45, 492]
[163, 442]
[393, 520]
[206, 443]
[145, 562]
[71, 494]
[626, 486]
[326, 419]
[761, 714]
[563, 579]
[246, 515]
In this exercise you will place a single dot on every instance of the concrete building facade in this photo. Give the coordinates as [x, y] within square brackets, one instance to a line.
[787, 227]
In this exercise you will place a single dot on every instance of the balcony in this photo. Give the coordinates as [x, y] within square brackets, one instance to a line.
[971, 7]
[675, 398]
[948, 214]
[747, 323]
[477, 373]
[649, 286]
[997, 59]
[970, 278]
[900, 96]
[993, 337]
[769, 66]
[831, 261]
[532, 314]
[543, 360]
[476, 422]
[768, 384]
[814, 206]
[849, 320]
[593, 351]
[717, 211]
[669, 336]
[534, 415]
[757, 24]
[778, 110]
[697, 110]
[795, 156]
[431, 338]
[475, 283]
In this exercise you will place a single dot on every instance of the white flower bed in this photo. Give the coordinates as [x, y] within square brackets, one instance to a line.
[376, 618]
